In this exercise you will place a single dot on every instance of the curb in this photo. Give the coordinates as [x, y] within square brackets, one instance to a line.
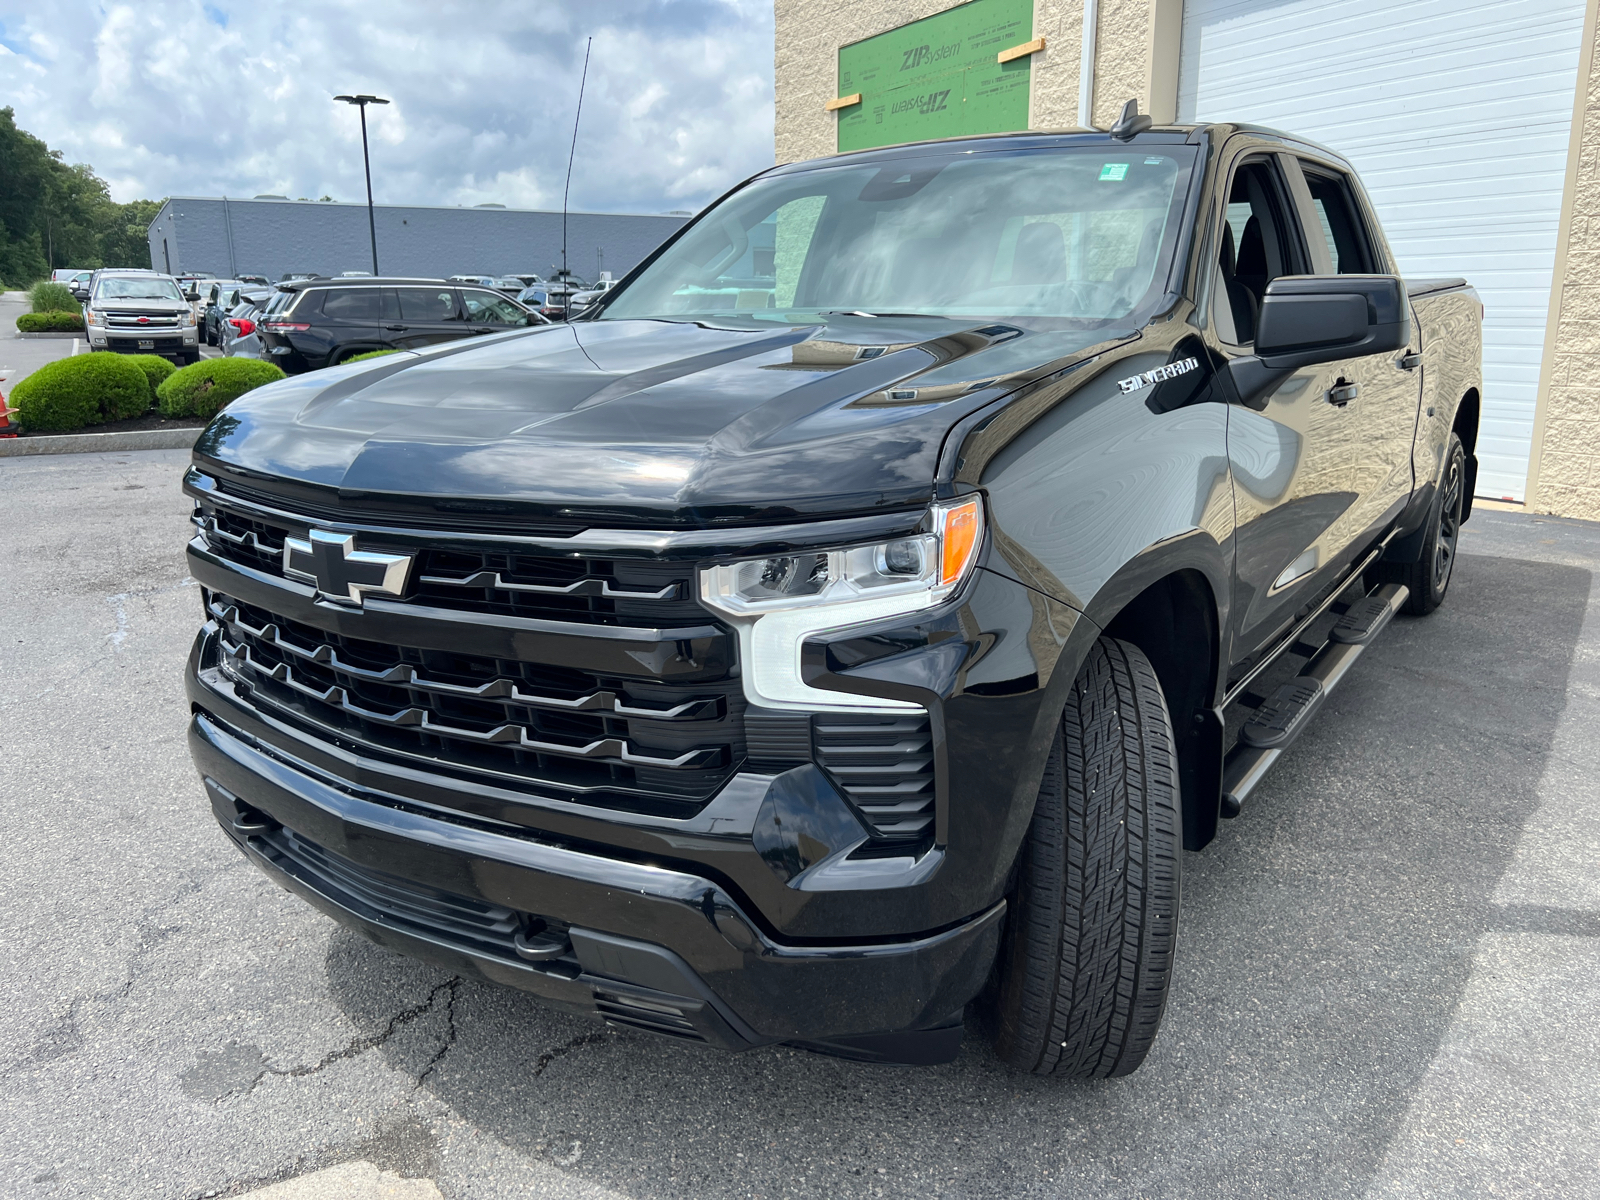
[78, 335]
[84, 443]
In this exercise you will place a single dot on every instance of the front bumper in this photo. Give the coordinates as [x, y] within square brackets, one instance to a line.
[122, 340]
[645, 946]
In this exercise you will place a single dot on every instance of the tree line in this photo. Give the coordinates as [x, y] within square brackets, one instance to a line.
[53, 214]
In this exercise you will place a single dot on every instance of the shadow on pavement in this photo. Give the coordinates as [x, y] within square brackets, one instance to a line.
[1327, 936]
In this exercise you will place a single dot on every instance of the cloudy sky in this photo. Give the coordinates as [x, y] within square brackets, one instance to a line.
[192, 98]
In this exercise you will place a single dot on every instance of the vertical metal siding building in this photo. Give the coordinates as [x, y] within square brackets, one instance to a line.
[270, 237]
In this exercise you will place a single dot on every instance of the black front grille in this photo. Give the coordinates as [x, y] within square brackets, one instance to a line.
[634, 744]
[884, 763]
[514, 583]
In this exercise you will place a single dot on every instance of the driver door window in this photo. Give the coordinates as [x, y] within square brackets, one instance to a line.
[488, 308]
[1258, 244]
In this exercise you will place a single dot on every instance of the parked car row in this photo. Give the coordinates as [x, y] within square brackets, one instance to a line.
[315, 323]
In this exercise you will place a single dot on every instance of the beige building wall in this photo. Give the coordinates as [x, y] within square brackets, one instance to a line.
[1564, 469]
[1136, 58]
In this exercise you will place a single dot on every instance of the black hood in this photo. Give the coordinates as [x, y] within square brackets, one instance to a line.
[662, 422]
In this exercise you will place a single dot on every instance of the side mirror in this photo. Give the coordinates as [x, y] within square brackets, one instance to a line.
[1310, 319]
[191, 296]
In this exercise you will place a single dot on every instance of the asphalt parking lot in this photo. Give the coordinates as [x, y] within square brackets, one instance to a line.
[1388, 982]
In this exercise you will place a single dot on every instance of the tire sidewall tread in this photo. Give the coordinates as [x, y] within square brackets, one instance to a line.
[1084, 973]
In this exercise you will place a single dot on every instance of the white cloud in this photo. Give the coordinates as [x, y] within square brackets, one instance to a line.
[192, 98]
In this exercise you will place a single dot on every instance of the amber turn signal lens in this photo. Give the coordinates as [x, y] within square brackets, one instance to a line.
[962, 525]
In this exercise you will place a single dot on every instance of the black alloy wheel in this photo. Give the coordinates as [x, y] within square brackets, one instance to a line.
[1449, 530]
[1428, 577]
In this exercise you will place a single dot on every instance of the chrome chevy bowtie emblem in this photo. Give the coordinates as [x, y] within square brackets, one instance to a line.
[339, 571]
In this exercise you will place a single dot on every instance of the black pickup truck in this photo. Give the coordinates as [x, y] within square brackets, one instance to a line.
[854, 615]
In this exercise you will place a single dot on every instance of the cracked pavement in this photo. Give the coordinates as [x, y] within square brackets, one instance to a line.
[1384, 989]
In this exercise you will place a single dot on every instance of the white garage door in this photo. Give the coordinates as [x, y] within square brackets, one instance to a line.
[1456, 114]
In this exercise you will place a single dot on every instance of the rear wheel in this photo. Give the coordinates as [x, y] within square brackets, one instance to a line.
[1083, 973]
[1428, 578]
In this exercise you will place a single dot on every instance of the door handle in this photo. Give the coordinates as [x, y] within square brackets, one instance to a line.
[397, 328]
[483, 330]
[1409, 361]
[1343, 393]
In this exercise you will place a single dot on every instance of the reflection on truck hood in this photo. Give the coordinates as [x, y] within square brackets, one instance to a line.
[649, 420]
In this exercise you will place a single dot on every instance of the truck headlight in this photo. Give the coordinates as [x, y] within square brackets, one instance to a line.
[776, 603]
[186, 318]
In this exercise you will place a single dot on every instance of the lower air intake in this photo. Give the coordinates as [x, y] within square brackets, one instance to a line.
[884, 764]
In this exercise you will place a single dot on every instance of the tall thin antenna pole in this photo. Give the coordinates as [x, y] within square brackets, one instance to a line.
[565, 192]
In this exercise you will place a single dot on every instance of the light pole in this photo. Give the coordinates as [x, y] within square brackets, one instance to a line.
[361, 102]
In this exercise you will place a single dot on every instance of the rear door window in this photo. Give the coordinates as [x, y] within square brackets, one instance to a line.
[1340, 223]
[356, 305]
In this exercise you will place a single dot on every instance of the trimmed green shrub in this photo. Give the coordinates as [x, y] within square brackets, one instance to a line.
[205, 387]
[88, 389]
[155, 368]
[47, 297]
[50, 322]
[367, 355]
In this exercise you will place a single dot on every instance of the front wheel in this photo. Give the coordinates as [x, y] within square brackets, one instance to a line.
[1083, 972]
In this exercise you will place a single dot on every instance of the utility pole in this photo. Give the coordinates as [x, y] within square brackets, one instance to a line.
[361, 102]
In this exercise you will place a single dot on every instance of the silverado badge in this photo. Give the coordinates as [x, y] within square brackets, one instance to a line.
[1171, 371]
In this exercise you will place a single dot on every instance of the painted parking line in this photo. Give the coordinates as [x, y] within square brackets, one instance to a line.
[358, 1180]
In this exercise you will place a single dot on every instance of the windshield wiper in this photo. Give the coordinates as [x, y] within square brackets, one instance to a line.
[857, 312]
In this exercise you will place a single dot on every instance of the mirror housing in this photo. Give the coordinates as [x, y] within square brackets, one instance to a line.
[1311, 319]
[191, 295]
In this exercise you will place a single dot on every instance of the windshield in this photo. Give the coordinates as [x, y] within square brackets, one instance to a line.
[1066, 233]
[137, 289]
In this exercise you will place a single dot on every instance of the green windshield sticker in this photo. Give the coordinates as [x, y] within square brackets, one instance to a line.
[938, 77]
[1114, 171]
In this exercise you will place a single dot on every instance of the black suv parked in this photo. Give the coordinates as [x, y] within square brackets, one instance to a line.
[330, 320]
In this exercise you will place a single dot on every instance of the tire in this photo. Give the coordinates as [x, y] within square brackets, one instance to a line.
[1429, 577]
[1082, 977]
